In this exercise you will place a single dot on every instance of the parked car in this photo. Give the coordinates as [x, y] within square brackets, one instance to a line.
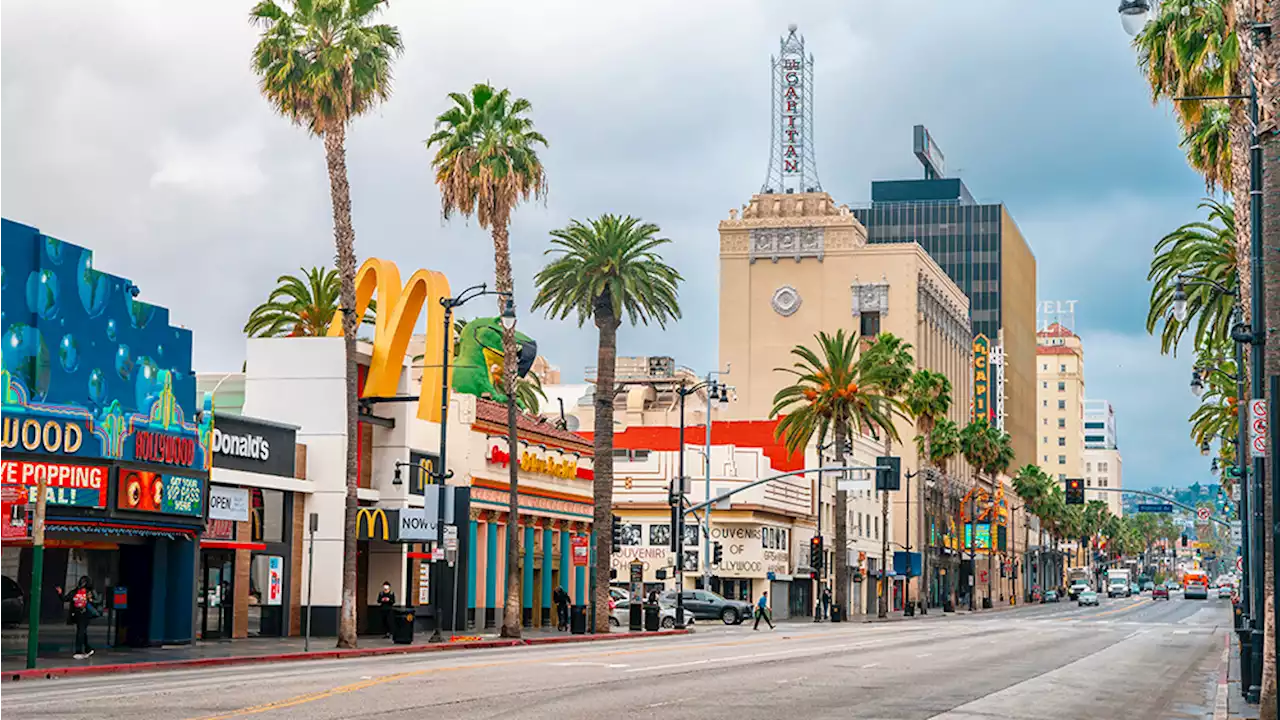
[14, 602]
[1050, 596]
[1087, 597]
[621, 615]
[1160, 591]
[1134, 589]
[707, 605]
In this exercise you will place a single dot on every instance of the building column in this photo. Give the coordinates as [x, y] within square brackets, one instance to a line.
[566, 554]
[580, 579]
[472, 573]
[527, 590]
[499, 550]
[548, 563]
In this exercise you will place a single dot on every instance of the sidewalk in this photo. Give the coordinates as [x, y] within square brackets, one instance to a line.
[261, 650]
[1231, 704]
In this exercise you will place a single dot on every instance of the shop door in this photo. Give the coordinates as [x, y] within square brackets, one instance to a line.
[217, 593]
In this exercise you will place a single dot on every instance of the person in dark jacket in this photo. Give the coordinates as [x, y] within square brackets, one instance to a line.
[386, 601]
[80, 612]
[561, 600]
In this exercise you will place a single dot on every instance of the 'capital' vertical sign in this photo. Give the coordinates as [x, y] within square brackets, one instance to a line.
[981, 377]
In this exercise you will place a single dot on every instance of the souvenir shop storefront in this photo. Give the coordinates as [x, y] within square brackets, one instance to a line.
[99, 403]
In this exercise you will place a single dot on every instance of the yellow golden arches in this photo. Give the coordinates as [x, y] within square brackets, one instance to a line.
[399, 308]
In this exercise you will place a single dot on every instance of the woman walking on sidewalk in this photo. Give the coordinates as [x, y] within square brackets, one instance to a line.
[81, 611]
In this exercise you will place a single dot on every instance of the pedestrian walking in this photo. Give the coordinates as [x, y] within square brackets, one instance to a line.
[762, 611]
[826, 602]
[81, 610]
[561, 600]
[386, 601]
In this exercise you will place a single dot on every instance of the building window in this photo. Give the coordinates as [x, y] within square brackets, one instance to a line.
[869, 325]
[1088, 466]
[1088, 482]
[1062, 459]
[1046, 421]
[1102, 467]
[1062, 368]
[1062, 387]
[1062, 404]
[1062, 441]
[877, 527]
[1062, 423]
[1062, 476]
[1044, 366]
[1045, 384]
[1045, 439]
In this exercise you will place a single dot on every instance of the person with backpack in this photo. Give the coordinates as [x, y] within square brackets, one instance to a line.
[762, 611]
[81, 611]
[560, 599]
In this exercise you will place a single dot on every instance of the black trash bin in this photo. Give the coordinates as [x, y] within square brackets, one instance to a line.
[986, 603]
[402, 625]
[652, 619]
[636, 619]
[578, 619]
[837, 614]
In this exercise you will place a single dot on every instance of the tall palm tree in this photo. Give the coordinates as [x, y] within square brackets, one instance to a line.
[1207, 250]
[944, 444]
[486, 163]
[927, 399]
[1034, 486]
[607, 270]
[1193, 49]
[321, 64]
[837, 391]
[894, 355]
[989, 452]
[301, 306]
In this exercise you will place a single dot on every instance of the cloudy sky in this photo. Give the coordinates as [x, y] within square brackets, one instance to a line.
[136, 128]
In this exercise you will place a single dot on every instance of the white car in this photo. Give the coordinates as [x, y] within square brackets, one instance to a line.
[621, 616]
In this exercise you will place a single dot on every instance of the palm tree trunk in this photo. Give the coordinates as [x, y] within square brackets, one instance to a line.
[602, 489]
[344, 237]
[883, 610]
[842, 531]
[512, 612]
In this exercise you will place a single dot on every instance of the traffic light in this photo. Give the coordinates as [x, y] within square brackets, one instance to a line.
[890, 479]
[1184, 540]
[815, 552]
[617, 534]
[717, 553]
[1075, 491]
[1233, 471]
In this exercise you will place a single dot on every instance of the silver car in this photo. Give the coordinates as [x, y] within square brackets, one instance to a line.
[621, 616]
[1087, 597]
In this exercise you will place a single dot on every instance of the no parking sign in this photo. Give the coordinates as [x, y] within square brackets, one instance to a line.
[1258, 427]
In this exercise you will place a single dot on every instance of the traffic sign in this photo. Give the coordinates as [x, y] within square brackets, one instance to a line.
[1258, 427]
[1202, 513]
[1239, 564]
[1155, 507]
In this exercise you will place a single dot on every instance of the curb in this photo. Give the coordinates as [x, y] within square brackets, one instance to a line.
[1220, 703]
[161, 665]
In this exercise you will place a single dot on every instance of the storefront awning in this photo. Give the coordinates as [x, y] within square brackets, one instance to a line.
[120, 529]
[231, 545]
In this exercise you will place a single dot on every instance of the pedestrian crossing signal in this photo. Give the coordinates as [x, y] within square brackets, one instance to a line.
[1075, 491]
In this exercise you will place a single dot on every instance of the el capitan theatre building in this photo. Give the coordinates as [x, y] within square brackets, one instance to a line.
[99, 397]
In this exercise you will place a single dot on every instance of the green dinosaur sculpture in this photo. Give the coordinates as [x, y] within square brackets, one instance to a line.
[479, 359]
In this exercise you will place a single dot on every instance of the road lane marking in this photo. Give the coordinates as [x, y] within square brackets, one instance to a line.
[590, 664]
[869, 665]
[924, 655]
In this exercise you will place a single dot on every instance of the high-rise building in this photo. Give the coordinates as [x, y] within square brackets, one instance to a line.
[1102, 461]
[1060, 400]
[981, 249]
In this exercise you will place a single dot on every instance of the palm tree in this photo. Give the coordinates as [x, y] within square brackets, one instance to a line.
[301, 306]
[989, 452]
[944, 444]
[1206, 250]
[1192, 49]
[607, 270]
[321, 64]
[837, 391]
[1033, 485]
[486, 163]
[928, 399]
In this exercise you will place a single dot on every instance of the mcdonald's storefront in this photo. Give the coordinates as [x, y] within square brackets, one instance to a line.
[250, 564]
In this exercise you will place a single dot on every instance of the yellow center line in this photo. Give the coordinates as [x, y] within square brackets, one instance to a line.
[363, 684]
[1132, 604]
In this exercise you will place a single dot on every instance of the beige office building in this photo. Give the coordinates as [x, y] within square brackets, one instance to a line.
[794, 265]
[1060, 397]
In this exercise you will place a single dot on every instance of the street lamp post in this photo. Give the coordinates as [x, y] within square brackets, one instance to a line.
[442, 474]
[716, 392]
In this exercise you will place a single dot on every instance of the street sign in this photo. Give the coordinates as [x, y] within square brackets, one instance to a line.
[1203, 513]
[1235, 532]
[451, 538]
[1155, 507]
[437, 554]
[1258, 427]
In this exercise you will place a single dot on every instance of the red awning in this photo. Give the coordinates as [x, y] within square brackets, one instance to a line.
[232, 545]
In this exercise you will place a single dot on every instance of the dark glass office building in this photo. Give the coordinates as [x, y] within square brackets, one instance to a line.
[981, 249]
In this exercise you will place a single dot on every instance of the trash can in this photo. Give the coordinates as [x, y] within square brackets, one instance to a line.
[636, 619]
[578, 619]
[651, 617]
[837, 614]
[402, 625]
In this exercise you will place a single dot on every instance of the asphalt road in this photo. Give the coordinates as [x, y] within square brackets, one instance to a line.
[1133, 658]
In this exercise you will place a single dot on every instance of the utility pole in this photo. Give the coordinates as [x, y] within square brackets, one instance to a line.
[37, 570]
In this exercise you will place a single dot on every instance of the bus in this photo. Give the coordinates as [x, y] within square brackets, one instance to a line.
[1195, 585]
